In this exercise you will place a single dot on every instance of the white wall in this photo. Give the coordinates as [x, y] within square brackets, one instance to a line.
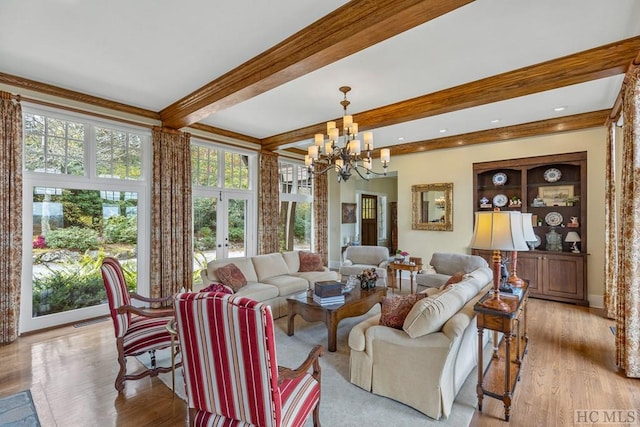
[456, 165]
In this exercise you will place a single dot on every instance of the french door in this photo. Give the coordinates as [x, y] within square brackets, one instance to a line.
[221, 227]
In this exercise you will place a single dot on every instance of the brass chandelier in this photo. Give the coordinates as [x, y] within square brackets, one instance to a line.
[349, 156]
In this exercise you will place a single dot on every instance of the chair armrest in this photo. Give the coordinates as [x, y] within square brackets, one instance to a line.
[383, 264]
[311, 360]
[147, 299]
[166, 312]
[347, 262]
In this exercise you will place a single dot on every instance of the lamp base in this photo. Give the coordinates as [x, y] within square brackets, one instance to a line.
[515, 281]
[495, 303]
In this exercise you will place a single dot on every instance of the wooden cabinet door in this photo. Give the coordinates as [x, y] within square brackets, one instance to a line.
[564, 276]
[530, 268]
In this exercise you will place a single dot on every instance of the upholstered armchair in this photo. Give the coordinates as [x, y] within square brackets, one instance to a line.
[137, 330]
[358, 258]
[230, 367]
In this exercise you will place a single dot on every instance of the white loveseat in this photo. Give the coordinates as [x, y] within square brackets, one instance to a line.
[271, 278]
[425, 364]
[358, 258]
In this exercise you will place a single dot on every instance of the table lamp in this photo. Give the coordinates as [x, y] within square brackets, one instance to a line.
[529, 236]
[498, 231]
[573, 237]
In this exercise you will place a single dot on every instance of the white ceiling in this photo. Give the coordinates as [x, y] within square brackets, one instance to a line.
[150, 53]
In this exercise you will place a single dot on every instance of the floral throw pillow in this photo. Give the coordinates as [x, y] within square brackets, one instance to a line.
[396, 308]
[457, 277]
[231, 276]
[310, 261]
[218, 287]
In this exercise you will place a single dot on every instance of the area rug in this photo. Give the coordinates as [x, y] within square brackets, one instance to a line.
[342, 403]
[18, 410]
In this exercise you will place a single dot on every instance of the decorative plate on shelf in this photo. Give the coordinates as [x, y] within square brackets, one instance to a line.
[500, 200]
[552, 175]
[537, 242]
[553, 219]
[500, 178]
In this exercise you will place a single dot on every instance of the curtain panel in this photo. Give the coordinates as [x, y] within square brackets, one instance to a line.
[321, 212]
[269, 195]
[171, 218]
[10, 216]
[610, 228]
[628, 299]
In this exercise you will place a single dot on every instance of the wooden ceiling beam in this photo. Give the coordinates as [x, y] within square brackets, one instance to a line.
[604, 61]
[355, 26]
[526, 130]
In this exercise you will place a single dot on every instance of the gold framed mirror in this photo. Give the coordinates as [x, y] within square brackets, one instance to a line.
[432, 206]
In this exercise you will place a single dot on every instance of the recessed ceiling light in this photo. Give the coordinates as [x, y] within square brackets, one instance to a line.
[560, 108]
[401, 138]
[495, 120]
[443, 130]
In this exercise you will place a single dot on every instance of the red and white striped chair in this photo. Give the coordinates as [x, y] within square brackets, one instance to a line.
[230, 367]
[137, 330]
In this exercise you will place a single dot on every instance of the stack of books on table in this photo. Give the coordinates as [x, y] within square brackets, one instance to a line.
[328, 293]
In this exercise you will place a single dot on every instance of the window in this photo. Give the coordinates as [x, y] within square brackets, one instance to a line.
[119, 154]
[296, 203]
[87, 183]
[53, 145]
[224, 221]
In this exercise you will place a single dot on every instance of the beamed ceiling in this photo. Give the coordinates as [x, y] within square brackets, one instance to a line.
[425, 74]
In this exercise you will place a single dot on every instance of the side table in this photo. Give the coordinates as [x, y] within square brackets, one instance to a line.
[394, 267]
[503, 371]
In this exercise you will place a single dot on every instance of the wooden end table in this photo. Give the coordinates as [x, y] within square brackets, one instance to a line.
[400, 267]
[357, 302]
[503, 371]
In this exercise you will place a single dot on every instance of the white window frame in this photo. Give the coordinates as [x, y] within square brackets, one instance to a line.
[219, 191]
[88, 181]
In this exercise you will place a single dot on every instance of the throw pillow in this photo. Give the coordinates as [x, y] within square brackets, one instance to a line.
[218, 287]
[456, 278]
[231, 276]
[395, 309]
[310, 261]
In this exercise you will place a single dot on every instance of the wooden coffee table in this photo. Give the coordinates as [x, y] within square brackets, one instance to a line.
[357, 302]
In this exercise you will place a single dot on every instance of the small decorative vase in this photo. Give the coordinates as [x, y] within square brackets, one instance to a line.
[371, 284]
[364, 284]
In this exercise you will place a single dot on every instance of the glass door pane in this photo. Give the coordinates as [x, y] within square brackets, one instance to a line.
[236, 234]
[205, 233]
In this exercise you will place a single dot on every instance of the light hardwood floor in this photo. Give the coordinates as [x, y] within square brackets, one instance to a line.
[570, 366]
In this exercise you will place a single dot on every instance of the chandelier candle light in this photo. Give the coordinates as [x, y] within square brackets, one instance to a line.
[347, 157]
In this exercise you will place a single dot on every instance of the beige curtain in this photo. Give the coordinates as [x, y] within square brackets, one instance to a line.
[269, 195]
[10, 216]
[628, 312]
[171, 222]
[321, 212]
[610, 228]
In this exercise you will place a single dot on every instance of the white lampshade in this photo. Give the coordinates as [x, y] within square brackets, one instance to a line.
[572, 237]
[499, 230]
[385, 155]
[368, 141]
[330, 125]
[319, 139]
[527, 227]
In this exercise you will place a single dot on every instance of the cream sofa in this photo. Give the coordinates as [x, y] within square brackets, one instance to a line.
[358, 258]
[271, 278]
[425, 364]
[443, 265]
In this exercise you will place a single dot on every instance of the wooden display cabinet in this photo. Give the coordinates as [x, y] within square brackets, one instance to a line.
[554, 190]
